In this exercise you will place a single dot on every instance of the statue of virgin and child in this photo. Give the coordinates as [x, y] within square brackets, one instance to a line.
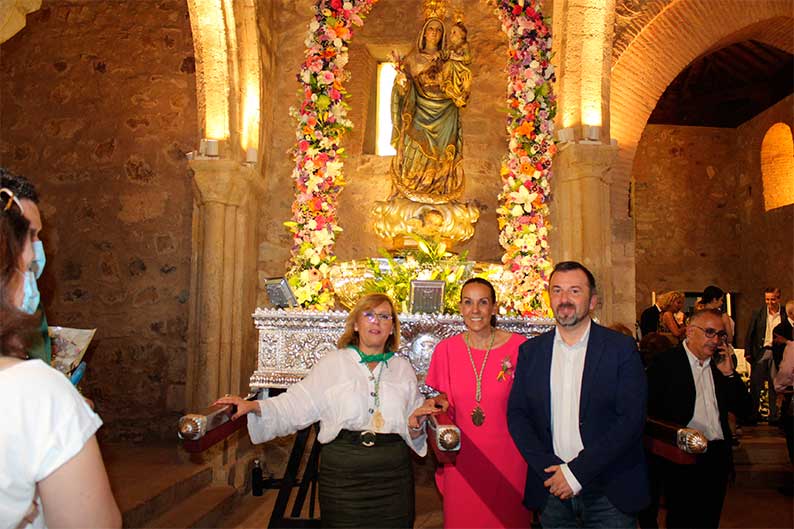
[427, 176]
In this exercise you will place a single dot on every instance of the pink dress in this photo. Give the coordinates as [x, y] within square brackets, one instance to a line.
[485, 486]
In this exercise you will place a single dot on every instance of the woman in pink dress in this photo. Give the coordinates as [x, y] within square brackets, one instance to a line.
[473, 373]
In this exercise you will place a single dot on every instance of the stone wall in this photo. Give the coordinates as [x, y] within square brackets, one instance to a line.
[766, 238]
[98, 109]
[392, 25]
[699, 214]
[685, 210]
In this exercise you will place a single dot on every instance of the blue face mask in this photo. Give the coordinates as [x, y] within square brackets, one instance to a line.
[32, 297]
[39, 259]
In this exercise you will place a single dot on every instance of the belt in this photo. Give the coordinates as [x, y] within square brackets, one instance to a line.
[369, 438]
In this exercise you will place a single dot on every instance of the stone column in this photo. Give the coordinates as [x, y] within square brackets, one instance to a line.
[223, 342]
[581, 215]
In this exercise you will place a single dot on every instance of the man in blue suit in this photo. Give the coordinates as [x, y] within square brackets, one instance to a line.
[577, 413]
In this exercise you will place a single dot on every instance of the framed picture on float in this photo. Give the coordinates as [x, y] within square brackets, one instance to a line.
[279, 293]
[426, 296]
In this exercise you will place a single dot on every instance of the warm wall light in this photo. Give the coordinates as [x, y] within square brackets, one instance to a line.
[212, 70]
[777, 166]
[592, 60]
[250, 74]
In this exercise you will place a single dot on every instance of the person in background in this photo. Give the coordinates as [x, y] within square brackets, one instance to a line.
[783, 332]
[696, 385]
[651, 346]
[363, 395]
[713, 297]
[26, 194]
[577, 414]
[758, 352]
[51, 469]
[474, 371]
[671, 303]
[784, 380]
[649, 319]
[622, 329]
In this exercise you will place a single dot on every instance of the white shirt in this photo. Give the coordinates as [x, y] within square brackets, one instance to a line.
[339, 391]
[567, 368]
[45, 423]
[706, 418]
[772, 321]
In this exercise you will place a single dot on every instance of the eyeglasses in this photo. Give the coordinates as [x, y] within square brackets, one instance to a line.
[12, 199]
[711, 333]
[374, 316]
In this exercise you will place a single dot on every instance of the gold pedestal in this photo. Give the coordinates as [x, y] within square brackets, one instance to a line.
[398, 218]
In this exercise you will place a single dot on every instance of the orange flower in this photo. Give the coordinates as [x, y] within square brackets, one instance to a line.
[525, 129]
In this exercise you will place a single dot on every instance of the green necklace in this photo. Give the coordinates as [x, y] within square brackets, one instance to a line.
[365, 358]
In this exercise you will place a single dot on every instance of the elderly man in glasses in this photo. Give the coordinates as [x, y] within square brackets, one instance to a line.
[695, 385]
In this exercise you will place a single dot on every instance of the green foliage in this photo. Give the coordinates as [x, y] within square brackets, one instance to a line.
[429, 261]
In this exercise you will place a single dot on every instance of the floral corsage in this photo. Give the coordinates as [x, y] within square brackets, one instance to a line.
[507, 370]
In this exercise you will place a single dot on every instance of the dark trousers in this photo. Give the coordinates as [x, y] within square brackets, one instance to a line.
[695, 493]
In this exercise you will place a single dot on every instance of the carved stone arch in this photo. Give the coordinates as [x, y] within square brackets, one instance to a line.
[683, 31]
[678, 35]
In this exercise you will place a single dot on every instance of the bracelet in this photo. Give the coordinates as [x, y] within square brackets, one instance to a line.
[421, 428]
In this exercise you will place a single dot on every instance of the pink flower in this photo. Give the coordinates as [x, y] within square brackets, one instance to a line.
[326, 77]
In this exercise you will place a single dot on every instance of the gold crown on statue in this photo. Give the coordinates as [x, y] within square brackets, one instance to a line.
[457, 15]
[435, 8]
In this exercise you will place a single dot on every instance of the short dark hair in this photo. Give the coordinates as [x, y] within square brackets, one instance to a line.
[569, 266]
[711, 293]
[19, 185]
[772, 290]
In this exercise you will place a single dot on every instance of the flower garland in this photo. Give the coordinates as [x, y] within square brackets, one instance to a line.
[523, 210]
[322, 120]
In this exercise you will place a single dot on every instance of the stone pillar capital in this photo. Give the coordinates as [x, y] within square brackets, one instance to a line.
[224, 182]
[576, 161]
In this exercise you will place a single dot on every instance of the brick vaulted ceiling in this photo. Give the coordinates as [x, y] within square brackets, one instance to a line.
[727, 87]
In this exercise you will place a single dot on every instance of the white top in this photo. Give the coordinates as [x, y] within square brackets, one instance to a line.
[706, 418]
[45, 422]
[567, 368]
[339, 391]
[772, 321]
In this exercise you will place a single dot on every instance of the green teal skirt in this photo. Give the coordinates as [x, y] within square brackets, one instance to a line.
[366, 486]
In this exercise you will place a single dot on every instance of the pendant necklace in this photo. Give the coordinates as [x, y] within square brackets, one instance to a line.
[377, 417]
[382, 359]
[477, 415]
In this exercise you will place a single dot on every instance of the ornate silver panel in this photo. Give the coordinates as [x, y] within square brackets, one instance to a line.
[292, 341]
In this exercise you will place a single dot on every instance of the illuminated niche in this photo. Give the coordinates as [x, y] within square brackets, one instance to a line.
[777, 166]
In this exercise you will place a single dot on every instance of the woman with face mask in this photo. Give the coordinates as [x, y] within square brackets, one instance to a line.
[25, 193]
[49, 457]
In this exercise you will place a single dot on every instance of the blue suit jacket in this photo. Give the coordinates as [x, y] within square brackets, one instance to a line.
[611, 419]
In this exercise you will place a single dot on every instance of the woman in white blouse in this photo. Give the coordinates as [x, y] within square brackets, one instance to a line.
[51, 470]
[362, 394]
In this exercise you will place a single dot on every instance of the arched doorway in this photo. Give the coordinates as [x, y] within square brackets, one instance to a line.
[665, 46]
